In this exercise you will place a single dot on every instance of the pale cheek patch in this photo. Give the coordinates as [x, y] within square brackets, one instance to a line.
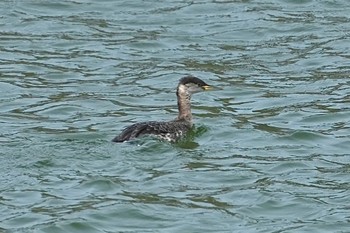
[182, 89]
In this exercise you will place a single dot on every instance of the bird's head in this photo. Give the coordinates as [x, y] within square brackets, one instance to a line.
[191, 85]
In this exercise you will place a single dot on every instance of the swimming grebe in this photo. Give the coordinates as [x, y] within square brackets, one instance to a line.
[169, 130]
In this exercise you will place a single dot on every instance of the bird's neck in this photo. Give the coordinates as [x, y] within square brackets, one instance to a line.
[184, 105]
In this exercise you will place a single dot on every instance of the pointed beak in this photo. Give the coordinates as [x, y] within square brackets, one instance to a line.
[207, 88]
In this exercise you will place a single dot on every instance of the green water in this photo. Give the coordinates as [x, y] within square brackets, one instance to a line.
[270, 152]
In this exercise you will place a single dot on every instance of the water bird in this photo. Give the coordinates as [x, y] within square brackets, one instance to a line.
[175, 129]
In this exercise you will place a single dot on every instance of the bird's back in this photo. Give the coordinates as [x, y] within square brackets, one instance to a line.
[170, 131]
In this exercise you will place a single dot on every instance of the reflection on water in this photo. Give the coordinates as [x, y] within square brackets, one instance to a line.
[270, 151]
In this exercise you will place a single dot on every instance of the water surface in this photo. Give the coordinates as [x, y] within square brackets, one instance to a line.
[270, 151]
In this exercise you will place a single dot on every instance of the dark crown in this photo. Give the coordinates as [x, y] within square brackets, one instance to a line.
[191, 79]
